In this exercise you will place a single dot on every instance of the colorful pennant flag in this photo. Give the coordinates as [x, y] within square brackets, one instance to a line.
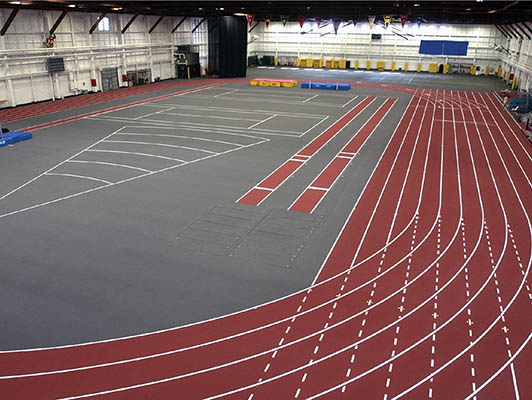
[267, 21]
[418, 22]
[355, 20]
[387, 20]
[284, 19]
[318, 21]
[336, 25]
[301, 19]
[371, 20]
[250, 19]
[404, 18]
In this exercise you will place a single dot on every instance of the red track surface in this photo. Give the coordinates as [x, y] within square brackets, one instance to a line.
[35, 109]
[423, 295]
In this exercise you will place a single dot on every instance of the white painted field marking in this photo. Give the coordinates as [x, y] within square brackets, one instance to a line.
[110, 164]
[310, 98]
[160, 144]
[137, 154]
[78, 176]
[207, 116]
[152, 113]
[181, 137]
[261, 122]
[353, 99]
[224, 93]
[182, 163]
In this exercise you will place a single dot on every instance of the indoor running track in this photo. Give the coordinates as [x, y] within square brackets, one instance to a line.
[424, 294]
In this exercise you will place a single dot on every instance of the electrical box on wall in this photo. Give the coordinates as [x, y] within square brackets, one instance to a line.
[55, 64]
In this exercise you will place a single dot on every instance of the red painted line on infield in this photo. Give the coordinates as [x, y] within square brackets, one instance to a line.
[313, 147]
[281, 174]
[326, 179]
[255, 196]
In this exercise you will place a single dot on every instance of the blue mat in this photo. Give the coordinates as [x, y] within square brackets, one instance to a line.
[13, 137]
[325, 85]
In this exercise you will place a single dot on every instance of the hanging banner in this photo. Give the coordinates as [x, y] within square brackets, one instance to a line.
[250, 19]
[301, 20]
[404, 18]
[336, 25]
[371, 20]
[267, 21]
[284, 19]
[419, 22]
[387, 20]
[318, 21]
[355, 20]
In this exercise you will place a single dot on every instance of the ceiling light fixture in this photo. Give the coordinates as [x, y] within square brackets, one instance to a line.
[416, 5]
[492, 11]
[221, 8]
[239, 14]
[14, 2]
[72, 5]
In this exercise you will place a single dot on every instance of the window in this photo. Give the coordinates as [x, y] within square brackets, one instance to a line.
[103, 25]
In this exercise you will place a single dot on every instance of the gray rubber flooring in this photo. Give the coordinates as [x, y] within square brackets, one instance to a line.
[126, 222]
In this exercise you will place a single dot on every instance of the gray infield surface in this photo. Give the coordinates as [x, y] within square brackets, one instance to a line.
[127, 238]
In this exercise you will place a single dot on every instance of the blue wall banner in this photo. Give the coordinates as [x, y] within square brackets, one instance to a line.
[443, 47]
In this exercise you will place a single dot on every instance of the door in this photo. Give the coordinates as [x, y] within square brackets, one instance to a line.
[109, 79]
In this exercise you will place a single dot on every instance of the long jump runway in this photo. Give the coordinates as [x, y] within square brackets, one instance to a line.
[424, 293]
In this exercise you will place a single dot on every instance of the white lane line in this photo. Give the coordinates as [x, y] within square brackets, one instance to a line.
[78, 176]
[160, 144]
[310, 98]
[261, 122]
[505, 327]
[435, 305]
[137, 154]
[470, 321]
[110, 164]
[400, 316]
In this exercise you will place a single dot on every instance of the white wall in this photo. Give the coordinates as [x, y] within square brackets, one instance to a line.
[354, 43]
[519, 61]
[23, 75]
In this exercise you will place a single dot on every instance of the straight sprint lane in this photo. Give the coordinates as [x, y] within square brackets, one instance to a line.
[268, 185]
[316, 191]
[200, 385]
[483, 356]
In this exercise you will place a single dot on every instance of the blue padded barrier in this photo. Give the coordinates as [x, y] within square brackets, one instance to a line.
[325, 85]
[13, 137]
